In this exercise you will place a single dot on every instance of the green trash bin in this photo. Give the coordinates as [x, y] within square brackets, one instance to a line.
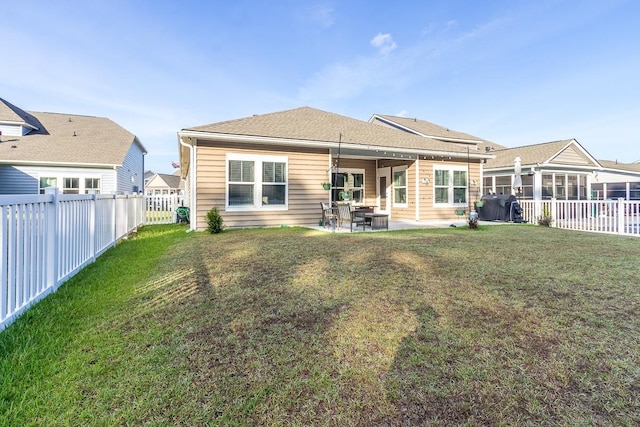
[182, 214]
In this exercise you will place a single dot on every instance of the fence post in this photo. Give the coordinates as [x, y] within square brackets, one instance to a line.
[553, 211]
[93, 212]
[52, 237]
[114, 219]
[621, 229]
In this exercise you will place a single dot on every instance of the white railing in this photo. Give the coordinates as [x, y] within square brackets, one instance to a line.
[603, 216]
[162, 208]
[46, 239]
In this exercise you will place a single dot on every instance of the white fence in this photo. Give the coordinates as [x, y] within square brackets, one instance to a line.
[46, 239]
[603, 216]
[162, 209]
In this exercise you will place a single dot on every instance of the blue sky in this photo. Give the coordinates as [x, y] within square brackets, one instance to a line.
[513, 72]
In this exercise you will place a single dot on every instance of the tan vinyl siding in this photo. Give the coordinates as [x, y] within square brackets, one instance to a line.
[428, 211]
[307, 169]
[571, 156]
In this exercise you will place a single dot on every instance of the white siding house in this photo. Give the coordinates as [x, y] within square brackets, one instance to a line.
[74, 153]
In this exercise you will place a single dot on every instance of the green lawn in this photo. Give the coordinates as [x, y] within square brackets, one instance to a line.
[504, 325]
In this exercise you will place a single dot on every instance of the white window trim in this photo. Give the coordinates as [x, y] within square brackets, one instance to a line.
[257, 187]
[406, 187]
[451, 169]
[60, 176]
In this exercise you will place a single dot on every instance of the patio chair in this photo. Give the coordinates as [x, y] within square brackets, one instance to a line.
[329, 216]
[345, 214]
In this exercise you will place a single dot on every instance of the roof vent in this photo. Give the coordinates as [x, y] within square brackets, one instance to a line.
[74, 133]
[69, 119]
[487, 148]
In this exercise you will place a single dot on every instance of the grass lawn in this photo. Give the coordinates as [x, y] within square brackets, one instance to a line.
[505, 325]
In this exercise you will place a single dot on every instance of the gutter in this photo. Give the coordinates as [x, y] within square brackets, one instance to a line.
[192, 178]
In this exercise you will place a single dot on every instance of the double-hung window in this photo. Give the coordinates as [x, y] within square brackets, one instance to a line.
[70, 185]
[274, 183]
[450, 187]
[400, 187]
[47, 182]
[241, 183]
[256, 182]
[92, 184]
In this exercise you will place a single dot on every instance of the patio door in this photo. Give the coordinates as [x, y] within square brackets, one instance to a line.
[384, 190]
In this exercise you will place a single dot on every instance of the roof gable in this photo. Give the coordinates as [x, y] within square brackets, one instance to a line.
[571, 155]
[165, 180]
[12, 114]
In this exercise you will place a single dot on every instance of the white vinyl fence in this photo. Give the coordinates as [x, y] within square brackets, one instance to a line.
[162, 208]
[603, 216]
[46, 239]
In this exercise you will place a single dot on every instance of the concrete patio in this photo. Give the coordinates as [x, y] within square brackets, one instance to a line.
[406, 225]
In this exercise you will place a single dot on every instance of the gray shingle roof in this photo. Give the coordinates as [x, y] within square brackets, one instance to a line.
[65, 139]
[436, 131]
[609, 164]
[310, 124]
[529, 154]
[172, 181]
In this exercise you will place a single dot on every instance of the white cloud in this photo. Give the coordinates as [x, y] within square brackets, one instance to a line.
[320, 14]
[402, 113]
[384, 43]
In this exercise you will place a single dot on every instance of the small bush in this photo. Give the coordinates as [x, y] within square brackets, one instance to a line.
[545, 221]
[214, 221]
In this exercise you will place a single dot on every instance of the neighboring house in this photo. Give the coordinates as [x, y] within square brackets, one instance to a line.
[74, 153]
[268, 170]
[148, 174]
[561, 169]
[161, 183]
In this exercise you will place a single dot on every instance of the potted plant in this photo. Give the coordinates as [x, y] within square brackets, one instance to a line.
[326, 185]
[479, 203]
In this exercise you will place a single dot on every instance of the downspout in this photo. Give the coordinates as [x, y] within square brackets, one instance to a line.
[193, 219]
[417, 187]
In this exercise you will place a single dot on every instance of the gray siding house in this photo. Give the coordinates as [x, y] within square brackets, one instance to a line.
[74, 153]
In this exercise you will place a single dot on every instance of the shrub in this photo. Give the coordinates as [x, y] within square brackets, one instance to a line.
[214, 221]
[545, 219]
